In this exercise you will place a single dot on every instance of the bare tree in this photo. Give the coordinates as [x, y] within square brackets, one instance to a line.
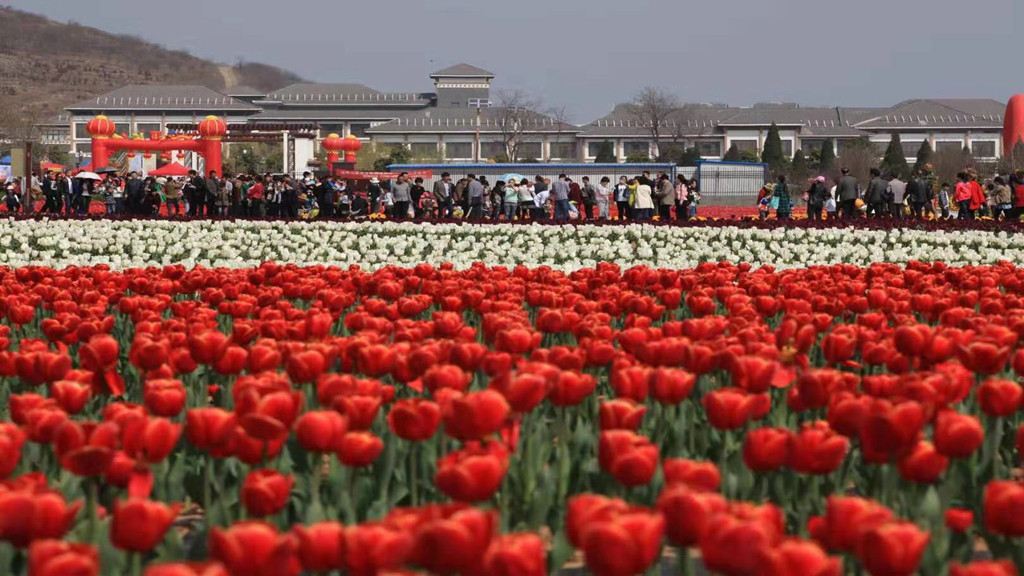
[653, 108]
[516, 113]
[560, 118]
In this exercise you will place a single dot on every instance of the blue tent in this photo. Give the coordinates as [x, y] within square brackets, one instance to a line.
[5, 159]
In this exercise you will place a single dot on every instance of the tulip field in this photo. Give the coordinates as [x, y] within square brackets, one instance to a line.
[278, 420]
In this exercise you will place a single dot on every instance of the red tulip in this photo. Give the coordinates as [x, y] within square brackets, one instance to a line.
[983, 568]
[266, 492]
[321, 547]
[1003, 503]
[959, 519]
[957, 435]
[164, 397]
[209, 429]
[306, 366]
[232, 361]
[752, 373]
[846, 520]
[838, 347]
[687, 511]
[697, 475]
[414, 419]
[321, 431]
[372, 549]
[571, 388]
[150, 439]
[923, 464]
[359, 449]
[624, 545]
[890, 431]
[85, 449]
[254, 548]
[631, 383]
[628, 457]
[186, 569]
[516, 555]
[816, 449]
[475, 415]
[99, 354]
[523, 390]
[473, 473]
[11, 440]
[795, 557]
[207, 347]
[584, 509]
[766, 449]
[268, 417]
[1000, 398]
[734, 543]
[984, 357]
[58, 558]
[454, 541]
[893, 549]
[139, 525]
[670, 386]
[620, 414]
[34, 514]
[728, 408]
[70, 395]
[360, 410]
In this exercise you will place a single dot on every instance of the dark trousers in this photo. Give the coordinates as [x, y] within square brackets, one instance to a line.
[173, 205]
[561, 210]
[664, 212]
[878, 209]
[896, 210]
[849, 208]
[401, 210]
[965, 210]
[588, 210]
[814, 211]
[623, 209]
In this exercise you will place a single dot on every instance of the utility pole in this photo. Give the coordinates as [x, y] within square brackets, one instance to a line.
[476, 152]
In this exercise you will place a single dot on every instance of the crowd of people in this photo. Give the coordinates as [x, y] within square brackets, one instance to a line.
[889, 196]
[641, 198]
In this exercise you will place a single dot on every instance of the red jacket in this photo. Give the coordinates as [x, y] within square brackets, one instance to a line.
[977, 196]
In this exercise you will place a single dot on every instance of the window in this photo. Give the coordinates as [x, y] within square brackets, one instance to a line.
[529, 151]
[479, 103]
[910, 149]
[787, 148]
[423, 149]
[594, 148]
[744, 145]
[358, 130]
[491, 150]
[563, 150]
[983, 149]
[636, 148]
[949, 146]
[879, 148]
[458, 150]
[709, 148]
[80, 131]
[328, 128]
[123, 128]
[145, 128]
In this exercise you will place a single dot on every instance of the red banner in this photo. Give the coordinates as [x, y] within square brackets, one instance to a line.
[357, 175]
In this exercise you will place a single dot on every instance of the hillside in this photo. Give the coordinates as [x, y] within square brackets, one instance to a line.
[46, 65]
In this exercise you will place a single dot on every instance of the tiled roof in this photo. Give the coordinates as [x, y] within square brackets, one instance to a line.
[157, 97]
[450, 120]
[323, 115]
[307, 94]
[245, 91]
[693, 120]
[463, 70]
[941, 113]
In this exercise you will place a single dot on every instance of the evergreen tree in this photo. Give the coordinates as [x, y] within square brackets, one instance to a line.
[924, 156]
[732, 154]
[605, 153]
[772, 155]
[828, 157]
[967, 157]
[798, 169]
[689, 157]
[895, 162]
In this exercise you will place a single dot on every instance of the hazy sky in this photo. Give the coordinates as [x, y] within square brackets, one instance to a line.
[587, 55]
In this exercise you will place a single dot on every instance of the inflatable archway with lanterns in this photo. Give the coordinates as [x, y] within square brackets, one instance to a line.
[208, 145]
[334, 144]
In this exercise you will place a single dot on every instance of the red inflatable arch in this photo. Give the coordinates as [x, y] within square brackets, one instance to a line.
[211, 130]
[1013, 124]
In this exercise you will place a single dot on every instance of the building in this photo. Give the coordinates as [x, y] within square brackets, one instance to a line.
[460, 122]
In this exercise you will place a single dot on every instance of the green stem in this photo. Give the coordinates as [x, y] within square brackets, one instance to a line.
[414, 473]
[685, 563]
[92, 517]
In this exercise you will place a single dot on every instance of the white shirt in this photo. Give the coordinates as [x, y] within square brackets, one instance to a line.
[541, 199]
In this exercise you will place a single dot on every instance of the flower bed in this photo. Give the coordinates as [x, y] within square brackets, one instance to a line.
[495, 421]
[138, 243]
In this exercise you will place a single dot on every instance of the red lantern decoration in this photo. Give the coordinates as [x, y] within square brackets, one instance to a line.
[351, 145]
[181, 155]
[147, 155]
[213, 128]
[332, 144]
[101, 127]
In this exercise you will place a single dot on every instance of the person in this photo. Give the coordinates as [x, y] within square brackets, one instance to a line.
[172, 192]
[290, 198]
[443, 195]
[575, 199]
[693, 188]
[388, 201]
[816, 197]
[876, 194]
[373, 191]
[917, 195]
[527, 194]
[682, 192]
[212, 187]
[645, 178]
[764, 200]
[510, 198]
[560, 195]
[69, 192]
[275, 193]
[666, 194]
[51, 193]
[459, 196]
[622, 199]
[588, 193]
[1018, 195]
[1002, 199]
[944, 200]
[847, 192]
[223, 201]
[977, 194]
[643, 201]
[604, 196]
[962, 196]
[324, 195]
[475, 197]
[785, 204]
[897, 196]
[401, 191]
[13, 195]
[416, 195]
[540, 202]
[428, 207]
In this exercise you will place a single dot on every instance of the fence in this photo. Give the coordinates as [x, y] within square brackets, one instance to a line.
[494, 172]
[729, 183]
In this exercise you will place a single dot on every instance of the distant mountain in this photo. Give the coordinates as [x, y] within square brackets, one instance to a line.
[46, 65]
